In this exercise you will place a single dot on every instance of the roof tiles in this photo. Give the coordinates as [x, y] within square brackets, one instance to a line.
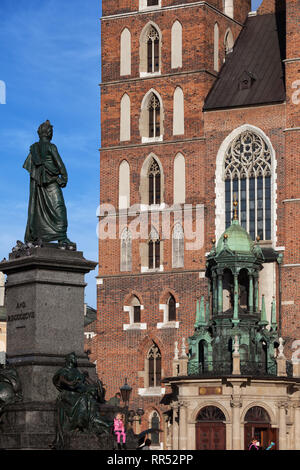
[253, 73]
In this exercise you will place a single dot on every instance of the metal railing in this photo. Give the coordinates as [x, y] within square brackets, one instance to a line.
[222, 368]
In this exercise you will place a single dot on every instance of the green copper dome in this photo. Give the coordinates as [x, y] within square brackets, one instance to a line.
[235, 238]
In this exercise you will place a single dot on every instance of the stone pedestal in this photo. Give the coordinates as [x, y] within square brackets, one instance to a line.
[45, 322]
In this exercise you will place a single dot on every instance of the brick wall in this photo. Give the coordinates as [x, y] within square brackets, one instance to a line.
[122, 353]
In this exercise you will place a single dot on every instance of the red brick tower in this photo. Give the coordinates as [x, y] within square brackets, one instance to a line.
[291, 190]
[160, 58]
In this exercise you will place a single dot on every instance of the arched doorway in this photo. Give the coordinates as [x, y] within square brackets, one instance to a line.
[258, 426]
[210, 429]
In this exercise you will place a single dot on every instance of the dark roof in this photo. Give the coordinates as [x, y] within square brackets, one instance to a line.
[257, 60]
[91, 316]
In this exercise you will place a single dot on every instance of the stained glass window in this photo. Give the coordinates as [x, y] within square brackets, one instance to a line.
[247, 174]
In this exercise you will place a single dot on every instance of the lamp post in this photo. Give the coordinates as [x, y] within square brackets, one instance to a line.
[125, 392]
[130, 415]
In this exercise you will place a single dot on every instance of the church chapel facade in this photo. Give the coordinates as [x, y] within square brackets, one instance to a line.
[200, 123]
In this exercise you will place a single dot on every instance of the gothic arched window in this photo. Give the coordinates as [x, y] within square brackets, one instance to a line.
[247, 174]
[126, 250]
[154, 116]
[216, 47]
[153, 250]
[151, 117]
[178, 247]
[154, 183]
[152, 50]
[171, 308]
[125, 53]
[136, 310]
[228, 41]
[154, 366]
[176, 45]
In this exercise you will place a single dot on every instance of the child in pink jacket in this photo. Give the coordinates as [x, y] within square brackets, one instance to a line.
[119, 430]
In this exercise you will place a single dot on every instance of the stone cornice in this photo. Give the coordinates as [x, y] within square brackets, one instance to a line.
[171, 7]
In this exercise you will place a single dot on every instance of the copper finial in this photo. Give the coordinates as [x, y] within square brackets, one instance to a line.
[257, 238]
[235, 204]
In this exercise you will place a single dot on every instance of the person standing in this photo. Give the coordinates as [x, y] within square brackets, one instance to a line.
[254, 445]
[119, 430]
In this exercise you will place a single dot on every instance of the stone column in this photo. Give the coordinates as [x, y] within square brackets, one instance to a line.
[282, 425]
[220, 293]
[256, 292]
[250, 300]
[236, 300]
[175, 427]
[236, 425]
[215, 292]
[183, 425]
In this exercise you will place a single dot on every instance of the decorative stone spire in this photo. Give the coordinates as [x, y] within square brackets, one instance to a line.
[281, 348]
[183, 349]
[200, 314]
[197, 315]
[207, 312]
[273, 315]
[176, 351]
[263, 318]
[236, 345]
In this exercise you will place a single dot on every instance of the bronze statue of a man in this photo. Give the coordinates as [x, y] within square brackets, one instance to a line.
[47, 214]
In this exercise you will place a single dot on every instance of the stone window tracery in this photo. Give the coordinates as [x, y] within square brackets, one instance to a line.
[152, 38]
[154, 366]
[154, 116]
[153, 250]
[154, 183]
[247, 174]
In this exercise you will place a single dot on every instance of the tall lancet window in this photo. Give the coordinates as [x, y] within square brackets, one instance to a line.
[152, 50]
[154, 116]
[153, 250]
[247, 172]
[126, 250]
[154, 183]
[154, 366]
[178, 247]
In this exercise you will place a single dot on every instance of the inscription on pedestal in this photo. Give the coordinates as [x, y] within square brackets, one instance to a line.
[22, 315]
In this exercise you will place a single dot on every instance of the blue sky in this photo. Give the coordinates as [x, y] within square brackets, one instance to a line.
[50, 63]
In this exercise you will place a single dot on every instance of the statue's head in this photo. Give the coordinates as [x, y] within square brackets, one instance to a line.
[71, 360]
[45, 130]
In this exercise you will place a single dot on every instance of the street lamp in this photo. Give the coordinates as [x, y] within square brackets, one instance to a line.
[125, 392]
[131, 415]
